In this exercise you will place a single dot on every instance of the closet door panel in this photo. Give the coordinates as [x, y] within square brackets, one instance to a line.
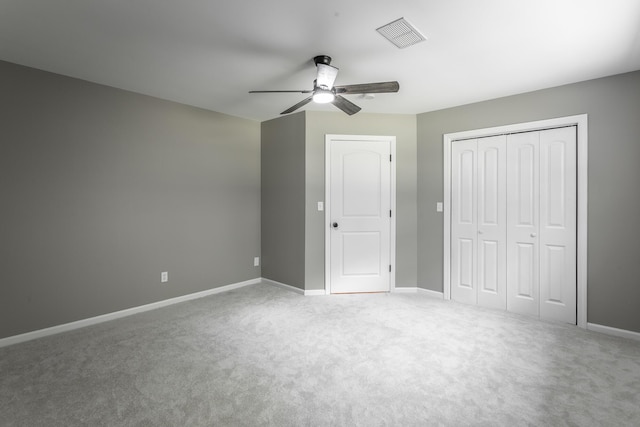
[492, 190]
[558, 182]
[464, 221]
[523, 223]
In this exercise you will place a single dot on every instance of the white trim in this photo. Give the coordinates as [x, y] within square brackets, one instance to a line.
[327, 212]
[581, 121]
[282, 285]
[119, 314]
[623, 333]
[327, 205]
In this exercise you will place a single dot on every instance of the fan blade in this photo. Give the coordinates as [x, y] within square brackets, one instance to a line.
[345, 105]
[383, 87]
[280, 91]
[298, 105]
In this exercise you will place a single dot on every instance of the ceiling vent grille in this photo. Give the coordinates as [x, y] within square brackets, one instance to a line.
[401, 33]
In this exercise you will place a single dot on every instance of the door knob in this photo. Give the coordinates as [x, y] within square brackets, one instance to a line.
[480, 231]
[533, 234]
[334, 225]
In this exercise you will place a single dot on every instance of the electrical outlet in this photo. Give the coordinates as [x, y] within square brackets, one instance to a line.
[256, 261]
[164, 277]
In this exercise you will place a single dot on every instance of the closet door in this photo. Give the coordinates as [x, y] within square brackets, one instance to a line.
[513, 223]
[558, 224]
[464, 225]
[522, 223]
[478, 232]
[541, 224]
[491, 218]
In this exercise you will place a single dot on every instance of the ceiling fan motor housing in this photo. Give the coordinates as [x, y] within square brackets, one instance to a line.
[322, 59]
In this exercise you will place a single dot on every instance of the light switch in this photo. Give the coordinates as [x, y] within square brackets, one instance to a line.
[439, 207]
[320, 206]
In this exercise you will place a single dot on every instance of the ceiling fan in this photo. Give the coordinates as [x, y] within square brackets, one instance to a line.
[325, 92]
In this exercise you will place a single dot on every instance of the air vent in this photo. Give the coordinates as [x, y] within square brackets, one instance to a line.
[401, 33]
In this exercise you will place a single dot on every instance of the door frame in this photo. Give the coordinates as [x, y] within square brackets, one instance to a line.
[327, 204]
[581, 122]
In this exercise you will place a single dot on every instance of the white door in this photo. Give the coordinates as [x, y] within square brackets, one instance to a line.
[478, 221]
[360, 210]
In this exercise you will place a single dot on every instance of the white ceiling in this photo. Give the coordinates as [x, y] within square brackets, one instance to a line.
[210, 53]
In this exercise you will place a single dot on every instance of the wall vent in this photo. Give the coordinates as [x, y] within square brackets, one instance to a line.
[401, 33]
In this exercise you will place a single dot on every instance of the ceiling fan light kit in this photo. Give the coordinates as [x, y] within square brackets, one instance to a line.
[323, 96]
[324, 91]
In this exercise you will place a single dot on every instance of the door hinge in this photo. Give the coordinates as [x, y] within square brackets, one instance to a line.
[389, 157]
[389, 213]
[389, 268]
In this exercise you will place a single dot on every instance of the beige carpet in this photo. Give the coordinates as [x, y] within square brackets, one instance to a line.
[261, 355]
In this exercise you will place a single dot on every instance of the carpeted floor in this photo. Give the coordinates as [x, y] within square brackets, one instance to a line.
[262, 355]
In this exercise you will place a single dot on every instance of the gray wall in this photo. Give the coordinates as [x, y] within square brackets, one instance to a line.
[283, 195]
[403, 127]
[613, 106]
[103, 189]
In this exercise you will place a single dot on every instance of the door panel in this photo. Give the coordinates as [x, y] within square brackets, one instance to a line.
[522, 223]
[361, 184]
[526, 176]
[554, 259]
[361, 254]
[492, 227]
[466, 187]
[558, 202]
[526, 273]
[360, 205]
[466, 268]
[464, 228]
[489, 266]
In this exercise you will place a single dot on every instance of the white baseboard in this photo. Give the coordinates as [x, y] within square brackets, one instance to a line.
[413, 290]
[119, 314]
[307, 293]
[282, 285]
[614, 331]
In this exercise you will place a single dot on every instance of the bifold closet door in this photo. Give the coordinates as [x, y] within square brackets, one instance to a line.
[478, 241]
[513, 222]
[541, 224]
